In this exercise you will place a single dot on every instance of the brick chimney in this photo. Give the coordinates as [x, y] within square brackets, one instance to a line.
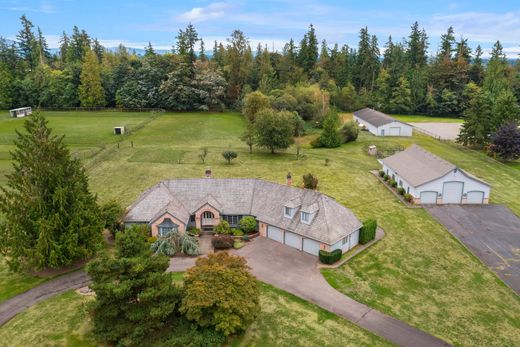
[289, 179]
[208, 172]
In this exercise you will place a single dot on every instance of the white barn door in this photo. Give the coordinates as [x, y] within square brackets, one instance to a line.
[395, 131]
[452, 192]
[475, 197]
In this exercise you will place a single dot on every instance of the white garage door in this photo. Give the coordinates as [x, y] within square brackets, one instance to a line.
[475, 197]
[395, 131]
[311, 246]
[293, 240]
[275, 234]
[452, 192]
[428, 197]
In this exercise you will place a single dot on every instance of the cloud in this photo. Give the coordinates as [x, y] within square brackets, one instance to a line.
[200, 14]
[43, 7]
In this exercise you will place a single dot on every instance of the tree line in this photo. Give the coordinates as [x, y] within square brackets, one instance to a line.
[305, 77]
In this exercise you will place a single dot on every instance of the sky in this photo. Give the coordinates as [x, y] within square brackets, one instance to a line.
[270, 22]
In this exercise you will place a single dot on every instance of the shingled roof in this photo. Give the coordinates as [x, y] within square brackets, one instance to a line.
[374, 117]
[249, 196]
[418, 166]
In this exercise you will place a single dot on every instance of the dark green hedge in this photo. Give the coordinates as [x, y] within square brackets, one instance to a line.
[330, 257]
[368, 231]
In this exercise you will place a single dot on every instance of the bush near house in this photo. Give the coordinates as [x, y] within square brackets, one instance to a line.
[248, 224]
[222, 241]
[221, 293]
[245, 238]
[237, 232]
[401, 190]
[408, 197]
[223, 228]
[193, 231]
[386, 177]
[393, 183]
[368, 231]
[310, 181]
[382, 173]
[327, 257]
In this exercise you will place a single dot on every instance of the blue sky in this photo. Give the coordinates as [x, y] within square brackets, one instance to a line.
[272, 22]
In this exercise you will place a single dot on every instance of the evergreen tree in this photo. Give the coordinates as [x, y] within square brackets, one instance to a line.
[50, 216]
[497, 78]
[329, 137]
[383, 90]
[367, 61]
[27, 43]
[476, 71]
[64, 47]
[186, 41]
[505, 109]
[91, 92]
[417, 47]
[401, 100]
[478, 121]
[308, 55]
[149, 51]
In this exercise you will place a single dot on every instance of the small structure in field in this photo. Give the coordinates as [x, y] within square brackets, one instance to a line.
[381, 124]
[20, 112]
[119, 130]
[372, 150]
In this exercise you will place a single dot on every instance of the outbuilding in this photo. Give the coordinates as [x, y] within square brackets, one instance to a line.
[20, 112]
[381, 124]
[433, 180]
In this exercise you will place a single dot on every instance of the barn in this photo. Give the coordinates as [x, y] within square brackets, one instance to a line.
[20, 112]
[381, 124]
[432, 180]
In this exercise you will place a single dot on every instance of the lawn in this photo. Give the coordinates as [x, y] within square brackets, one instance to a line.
[12, 283]
[417, 273]
[284, 318]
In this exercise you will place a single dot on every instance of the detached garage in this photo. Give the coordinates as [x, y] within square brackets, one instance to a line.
[432, 180]
[381, 124]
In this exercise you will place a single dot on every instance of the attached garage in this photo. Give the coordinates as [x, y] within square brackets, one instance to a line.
[275, 234]
[452, 192]
[475, 197]
[428, 197]
[311, 246]
[293, 240]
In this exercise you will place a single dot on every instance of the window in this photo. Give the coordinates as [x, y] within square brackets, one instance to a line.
[305, 217]
[192, 218]
[408, 190]
[165, 230]
[232, 219]
[345, 240]
[207, 215]
[289, 212]
[400, 183]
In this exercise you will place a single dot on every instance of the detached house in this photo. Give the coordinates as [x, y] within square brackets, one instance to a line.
[381, 124]
[432, 180]
[300, 218]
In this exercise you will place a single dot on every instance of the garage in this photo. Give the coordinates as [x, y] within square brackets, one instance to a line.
[452, 192]
[475, 197]
[311, 246]
[395, 131]
[428, 197]
[293, 240]
[275, 234]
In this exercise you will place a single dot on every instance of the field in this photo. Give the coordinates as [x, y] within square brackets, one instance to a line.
[280, 320]
[417, 273]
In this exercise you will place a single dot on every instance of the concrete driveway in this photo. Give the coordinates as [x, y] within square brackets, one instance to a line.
[444, 131]
[296, 273]
[491, 232]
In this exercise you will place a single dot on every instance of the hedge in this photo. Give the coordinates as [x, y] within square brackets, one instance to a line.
[368, 231]
[222, 241]
[330, 257]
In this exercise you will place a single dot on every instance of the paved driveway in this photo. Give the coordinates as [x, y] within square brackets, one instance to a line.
[491, 232]
[296, 273]
[444, 131]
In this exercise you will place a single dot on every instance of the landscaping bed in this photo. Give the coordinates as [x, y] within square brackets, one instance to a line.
[394, 190]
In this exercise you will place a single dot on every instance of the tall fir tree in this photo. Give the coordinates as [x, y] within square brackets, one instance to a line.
[91, 92]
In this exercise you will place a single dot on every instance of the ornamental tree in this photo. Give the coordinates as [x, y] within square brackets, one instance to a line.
[220, 292]
[50, 218]
[229, 155]
[505, 142]
[274, 130]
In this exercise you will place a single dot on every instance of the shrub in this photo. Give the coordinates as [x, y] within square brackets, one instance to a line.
[349, 132]
[401, 190]
[245, 238]
[248, 224]
[408, 197]
[220, 292]
[174, 242]
[193, 231]
[382, 173]
[238, 245]
[237, 232]
[386, 177]
[393, 183]
[330, 257]
[111, 214]
[229, 155]
[131, 242]
[222, 241]
[310, 181]
[223, 228]
[152, 239]
[368, 231]
[329, 137]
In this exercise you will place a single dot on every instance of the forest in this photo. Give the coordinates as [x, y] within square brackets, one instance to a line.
[306, 77]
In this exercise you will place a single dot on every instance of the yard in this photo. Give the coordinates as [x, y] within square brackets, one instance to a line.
[418, 273]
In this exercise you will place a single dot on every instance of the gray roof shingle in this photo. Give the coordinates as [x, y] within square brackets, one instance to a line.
[248, 196]
[374, 117]
[418, 166]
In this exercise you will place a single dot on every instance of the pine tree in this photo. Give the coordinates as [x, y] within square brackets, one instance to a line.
[91, 92]
[497, 78]
[308, 55]
[329, 137]
[478, 122]
[476, 70]
[64, 47]
[417, 47]
[50, 216]
[401, 100]
[27, 43]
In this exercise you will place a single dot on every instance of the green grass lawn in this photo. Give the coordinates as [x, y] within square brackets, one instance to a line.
[426, 119]
[417, 273]
[283, 318]
[12, 283]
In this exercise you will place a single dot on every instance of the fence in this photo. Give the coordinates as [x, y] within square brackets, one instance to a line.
[104, 109]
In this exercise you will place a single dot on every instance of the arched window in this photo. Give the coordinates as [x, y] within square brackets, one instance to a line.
[208, 215]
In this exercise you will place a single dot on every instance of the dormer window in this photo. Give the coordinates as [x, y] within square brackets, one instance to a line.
[289, 212]
[306, 217]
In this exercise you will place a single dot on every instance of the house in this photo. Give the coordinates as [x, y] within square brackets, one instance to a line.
[300, 218]
[432, 180]
[20, 112]
[381, 124]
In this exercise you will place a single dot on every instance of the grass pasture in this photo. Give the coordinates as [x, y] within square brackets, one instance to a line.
[417, 273]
